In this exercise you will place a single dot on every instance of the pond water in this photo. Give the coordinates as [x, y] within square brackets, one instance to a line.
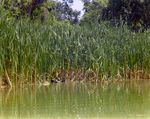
[75, 100]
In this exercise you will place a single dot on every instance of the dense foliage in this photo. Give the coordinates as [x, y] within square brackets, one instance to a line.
[41, 9]
[93, 11]
[35, 51]
[64, 11]
[136, 13]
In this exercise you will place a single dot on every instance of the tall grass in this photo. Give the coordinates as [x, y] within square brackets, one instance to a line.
[32, 51]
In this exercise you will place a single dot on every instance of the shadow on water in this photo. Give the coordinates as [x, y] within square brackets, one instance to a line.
[130, 99]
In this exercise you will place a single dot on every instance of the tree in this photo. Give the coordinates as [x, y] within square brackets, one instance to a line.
[64, 11]
[41, 8]
[92, 12]
[133, 12]
[28, 8]
[146, 14]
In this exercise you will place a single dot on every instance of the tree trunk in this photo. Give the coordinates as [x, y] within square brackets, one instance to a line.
[23, 7]
[31, 7]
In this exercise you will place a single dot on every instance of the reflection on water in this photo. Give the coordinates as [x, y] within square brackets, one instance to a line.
[130, 99]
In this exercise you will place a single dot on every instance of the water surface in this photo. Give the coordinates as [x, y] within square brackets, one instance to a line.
[130, 99]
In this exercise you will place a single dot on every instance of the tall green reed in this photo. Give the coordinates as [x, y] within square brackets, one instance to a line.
[32, 51]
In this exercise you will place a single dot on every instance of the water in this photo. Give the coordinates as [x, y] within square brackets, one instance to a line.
[130, 99]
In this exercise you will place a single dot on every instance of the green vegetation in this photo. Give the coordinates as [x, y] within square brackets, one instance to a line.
[134, 13]
[34, 52]
[41, 9]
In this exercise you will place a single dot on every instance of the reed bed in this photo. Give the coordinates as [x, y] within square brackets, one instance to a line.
[32, 51]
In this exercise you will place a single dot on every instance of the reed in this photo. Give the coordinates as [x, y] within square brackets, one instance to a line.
[32, 51]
